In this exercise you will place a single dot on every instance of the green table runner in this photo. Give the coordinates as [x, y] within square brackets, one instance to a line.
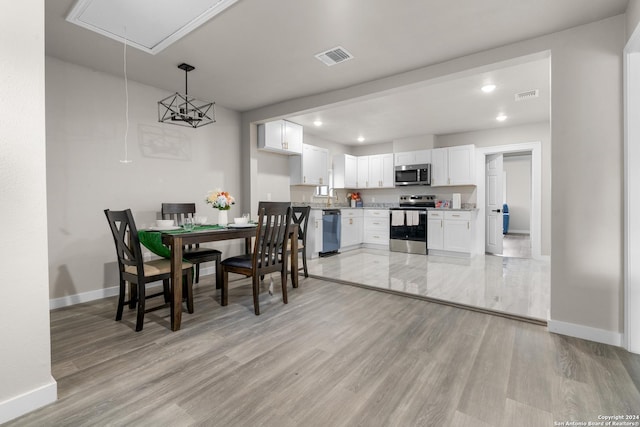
[152, 239]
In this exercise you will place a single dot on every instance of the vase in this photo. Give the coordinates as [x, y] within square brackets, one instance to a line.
[223, 218]
[353, 203]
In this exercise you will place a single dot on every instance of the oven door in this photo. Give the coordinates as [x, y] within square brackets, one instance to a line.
[408, 231]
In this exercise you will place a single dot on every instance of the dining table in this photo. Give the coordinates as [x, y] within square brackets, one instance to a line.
[175, 240]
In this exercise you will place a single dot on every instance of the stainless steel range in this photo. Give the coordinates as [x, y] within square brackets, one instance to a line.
[408, 224]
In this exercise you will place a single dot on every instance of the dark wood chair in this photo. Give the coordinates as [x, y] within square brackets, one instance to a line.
[138, 273]
[193, 253]
[300, 216]
[270, 243]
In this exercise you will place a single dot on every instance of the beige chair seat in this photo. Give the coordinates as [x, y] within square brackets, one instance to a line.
[155, 267]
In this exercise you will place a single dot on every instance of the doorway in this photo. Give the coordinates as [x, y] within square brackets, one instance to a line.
[508, 204]
[528, 206]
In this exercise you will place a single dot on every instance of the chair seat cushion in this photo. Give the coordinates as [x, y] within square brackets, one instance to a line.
[156, 267]
[240, 261]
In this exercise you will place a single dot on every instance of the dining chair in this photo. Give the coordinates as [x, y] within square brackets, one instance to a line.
[272, 232]
[300, 216]
[137, 272]
[193, 253]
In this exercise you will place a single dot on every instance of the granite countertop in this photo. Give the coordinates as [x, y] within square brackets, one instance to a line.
[386, 206]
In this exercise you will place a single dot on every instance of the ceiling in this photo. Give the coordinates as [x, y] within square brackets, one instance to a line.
[258, 53]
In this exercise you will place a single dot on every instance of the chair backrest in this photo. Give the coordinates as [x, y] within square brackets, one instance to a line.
[271, 236]
[300, 216]
[178, 211]
[125, 237]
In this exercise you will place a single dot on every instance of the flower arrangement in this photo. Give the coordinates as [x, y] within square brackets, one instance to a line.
[353, 196]
[221, 200]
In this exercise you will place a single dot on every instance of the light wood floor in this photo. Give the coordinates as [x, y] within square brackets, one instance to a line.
[336, 355]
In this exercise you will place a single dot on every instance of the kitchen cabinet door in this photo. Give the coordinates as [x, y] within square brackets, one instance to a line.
[435, 230]
[345, 171]
[461, 165]
[419, 157]
[439, 167]
[280, 136]
[311, 168]
[381, 171]
[363, 172]
[351, 233]
[457, 232]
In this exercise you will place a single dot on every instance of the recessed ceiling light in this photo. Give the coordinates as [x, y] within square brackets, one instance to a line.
[361, 139]
[501, 118]
[318, 123]
[488, 88]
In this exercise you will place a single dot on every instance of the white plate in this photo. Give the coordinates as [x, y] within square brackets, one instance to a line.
[167, 228]
[242, 225]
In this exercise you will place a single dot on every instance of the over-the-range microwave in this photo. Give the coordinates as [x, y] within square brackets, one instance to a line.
[413, 174]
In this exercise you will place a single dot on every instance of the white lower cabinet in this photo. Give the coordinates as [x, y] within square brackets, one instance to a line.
[314, 234]
[450, 232]
[435, 230]
[376, 227]
[351, 228]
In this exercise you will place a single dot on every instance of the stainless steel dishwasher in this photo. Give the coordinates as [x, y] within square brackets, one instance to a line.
[330, 231]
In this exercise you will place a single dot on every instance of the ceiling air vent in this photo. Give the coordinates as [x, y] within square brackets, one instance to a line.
[334, 56]
[527, 95]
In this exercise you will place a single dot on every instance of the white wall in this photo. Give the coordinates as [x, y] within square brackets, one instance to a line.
[632, 17]
[85, 143]
[586, 108]
[25, 350]
[514, 135]
[518, 195]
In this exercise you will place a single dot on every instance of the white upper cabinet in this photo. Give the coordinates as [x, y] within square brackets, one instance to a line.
[381, 172]
[280, 136]
[363, 172]
[311, 168]
[461, 165]
[345, 171]
[453, 166]
[419, 157]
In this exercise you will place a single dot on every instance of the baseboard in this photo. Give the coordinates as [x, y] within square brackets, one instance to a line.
[512, 231]
[585, 332]
[29, 401]
[83, 297]
[102, 293]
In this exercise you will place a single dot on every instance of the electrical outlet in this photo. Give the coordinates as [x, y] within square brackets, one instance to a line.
[304, 198]
[268, 197]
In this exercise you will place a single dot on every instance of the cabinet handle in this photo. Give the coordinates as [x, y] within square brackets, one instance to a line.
[350, 221]
[440, 223]
[320, 179]
[456, 215]
[468, 226]
[304, 179]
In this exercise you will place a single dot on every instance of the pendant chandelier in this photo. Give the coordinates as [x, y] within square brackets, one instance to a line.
[185, 110]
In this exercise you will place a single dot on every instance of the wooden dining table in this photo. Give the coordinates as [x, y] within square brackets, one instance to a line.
[176, 241]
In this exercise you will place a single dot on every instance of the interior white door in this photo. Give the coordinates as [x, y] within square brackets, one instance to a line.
[495, 198]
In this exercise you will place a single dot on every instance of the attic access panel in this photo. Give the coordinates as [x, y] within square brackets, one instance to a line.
[148, 25]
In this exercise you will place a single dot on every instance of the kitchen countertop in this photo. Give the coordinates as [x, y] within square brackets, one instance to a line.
[390, 206]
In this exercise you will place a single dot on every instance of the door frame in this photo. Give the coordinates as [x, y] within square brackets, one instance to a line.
[631, 93]
[535, 148]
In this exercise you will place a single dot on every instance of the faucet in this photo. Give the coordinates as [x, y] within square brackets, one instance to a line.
[329, 196]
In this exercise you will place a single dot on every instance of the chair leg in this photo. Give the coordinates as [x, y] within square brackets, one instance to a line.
[141, 303]
[219, 278]
[256, 291]
[167, 291]
[121, 300]
[188, 291]
[197, 274]
[283, 280]
[224, 297]
[304, 262]
[133, 295]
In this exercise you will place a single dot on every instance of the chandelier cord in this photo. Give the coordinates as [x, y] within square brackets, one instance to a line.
[126, 102]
